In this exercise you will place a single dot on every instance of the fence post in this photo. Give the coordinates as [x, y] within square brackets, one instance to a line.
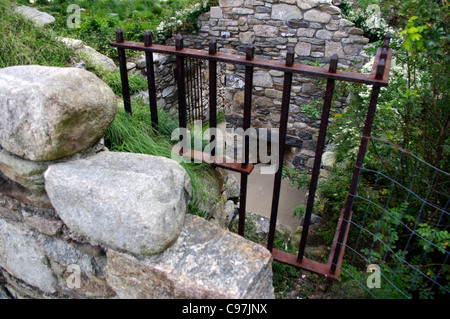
[123, 72]
[281, 144]
[181, 87]
[212, 94]
[361, 154]
[151, 79]
[249, 55]
[189, 89]
[318, 157]
[196, 88]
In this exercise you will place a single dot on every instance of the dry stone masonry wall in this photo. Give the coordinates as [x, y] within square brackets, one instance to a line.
[166, 89]
[316, 31]
[78, 221]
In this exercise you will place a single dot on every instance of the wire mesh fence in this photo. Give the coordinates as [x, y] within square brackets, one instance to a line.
[398, 245]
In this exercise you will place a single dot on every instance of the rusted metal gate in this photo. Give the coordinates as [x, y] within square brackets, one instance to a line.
[194, 89]
[377, 78]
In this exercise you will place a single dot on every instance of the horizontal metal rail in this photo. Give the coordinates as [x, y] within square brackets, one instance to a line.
[303, 69]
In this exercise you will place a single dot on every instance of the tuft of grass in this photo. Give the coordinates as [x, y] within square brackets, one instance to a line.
[135, 134]
[136, 82]
[21, 43]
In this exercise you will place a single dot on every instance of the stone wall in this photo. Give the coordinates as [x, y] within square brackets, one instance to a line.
[164, 65]
[316, 31]
[78, 221]
[197, 86]
[167, 92]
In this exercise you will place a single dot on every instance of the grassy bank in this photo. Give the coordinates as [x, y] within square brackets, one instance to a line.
[23, 44]
[98, 19]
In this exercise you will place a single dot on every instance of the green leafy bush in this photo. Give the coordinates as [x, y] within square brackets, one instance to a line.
[413, 112]
[183, 20]
[396, 228]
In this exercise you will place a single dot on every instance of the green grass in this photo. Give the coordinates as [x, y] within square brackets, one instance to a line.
[100, 18]
[21, 43]
[135, 134]
[136, 82]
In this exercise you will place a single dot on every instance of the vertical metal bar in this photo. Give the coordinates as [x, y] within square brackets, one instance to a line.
[193, 89]
[380, 69]
[384, 53]
[250, 51]
[318, 157]
[195, 86]
[281, 144]
[181, 84]
[361, 154]
[197, 89]
[123, 72]
[212, 93]
[200, 87]
[387, 40]
[356, 175]
[189, 91]
[151, 80]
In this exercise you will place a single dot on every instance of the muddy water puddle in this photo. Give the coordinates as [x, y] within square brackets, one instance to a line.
[260, 192]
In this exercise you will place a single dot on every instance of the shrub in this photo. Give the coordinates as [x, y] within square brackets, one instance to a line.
[183, 21]
[414, 113]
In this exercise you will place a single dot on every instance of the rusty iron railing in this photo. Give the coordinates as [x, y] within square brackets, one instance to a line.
[377, 78]
[194, 85]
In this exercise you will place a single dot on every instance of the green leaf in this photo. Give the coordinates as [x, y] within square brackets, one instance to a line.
[415, 37]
